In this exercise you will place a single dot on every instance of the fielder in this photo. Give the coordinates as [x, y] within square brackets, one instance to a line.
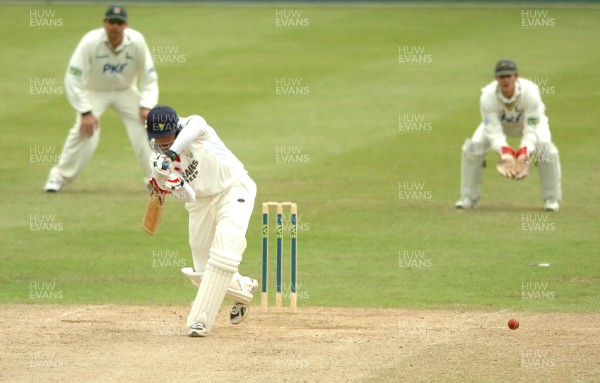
[102, 73]
[219, 201]
[511, 106]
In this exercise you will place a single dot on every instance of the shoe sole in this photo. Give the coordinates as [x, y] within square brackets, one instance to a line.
[197, 334]
[239, 318]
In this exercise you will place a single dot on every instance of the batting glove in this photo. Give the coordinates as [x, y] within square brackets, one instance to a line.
[160, 166]
[174, 182]
[157, 187]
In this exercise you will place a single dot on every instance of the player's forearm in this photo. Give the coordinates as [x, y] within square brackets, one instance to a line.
[77, 95]
[148, 89]
[496, 137]
[76, 78]
[148, 83]
[528, 141]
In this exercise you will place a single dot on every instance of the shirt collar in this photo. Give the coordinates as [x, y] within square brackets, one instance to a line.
[514, 97]
[126, 41]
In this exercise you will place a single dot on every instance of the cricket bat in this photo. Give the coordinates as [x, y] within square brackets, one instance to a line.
[154, 212]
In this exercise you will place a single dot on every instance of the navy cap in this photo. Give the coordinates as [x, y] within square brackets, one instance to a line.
[505, 68]
[116, 12]
[161, 122]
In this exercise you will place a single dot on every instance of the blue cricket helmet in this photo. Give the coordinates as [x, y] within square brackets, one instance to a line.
[161, 122]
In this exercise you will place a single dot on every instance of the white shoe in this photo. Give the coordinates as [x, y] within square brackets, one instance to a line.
[466, 203]
[551, 205]
[238, 313]
[248, 285]
[54, 185]
[198, 329]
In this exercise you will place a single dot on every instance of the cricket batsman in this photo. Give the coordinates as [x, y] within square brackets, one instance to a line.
[194, 164]
[511, 106]
[104, 72]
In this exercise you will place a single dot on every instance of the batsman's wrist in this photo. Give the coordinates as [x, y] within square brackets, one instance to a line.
[86, 113]
[171, 154]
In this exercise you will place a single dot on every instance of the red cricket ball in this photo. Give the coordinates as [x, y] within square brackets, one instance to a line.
[513, 324]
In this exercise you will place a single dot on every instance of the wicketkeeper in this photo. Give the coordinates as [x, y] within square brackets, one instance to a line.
[219, 204]
[511, 106]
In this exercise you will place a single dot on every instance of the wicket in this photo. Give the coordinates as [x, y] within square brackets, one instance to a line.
[264, 301]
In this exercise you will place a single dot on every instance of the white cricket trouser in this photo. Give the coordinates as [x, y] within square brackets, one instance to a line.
[475, 150]
[78, 150]
[208, 214]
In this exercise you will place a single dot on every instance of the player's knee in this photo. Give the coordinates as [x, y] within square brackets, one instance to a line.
[546, 154]
[224, 260]
[229, 241]
[473, 148]
[546, 147]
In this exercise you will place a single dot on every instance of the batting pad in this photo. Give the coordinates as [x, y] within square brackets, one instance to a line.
[471, 170]
[219, 272]
[548, 162]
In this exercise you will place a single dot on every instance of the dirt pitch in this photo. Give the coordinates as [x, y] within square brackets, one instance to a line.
[58, 343]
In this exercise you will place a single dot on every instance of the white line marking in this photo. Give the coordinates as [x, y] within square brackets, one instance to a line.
[78, 311]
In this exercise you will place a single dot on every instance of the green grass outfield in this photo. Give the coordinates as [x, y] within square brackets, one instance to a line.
[350, 155]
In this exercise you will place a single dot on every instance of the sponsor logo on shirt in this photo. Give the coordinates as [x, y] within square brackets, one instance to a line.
[75, 71]
[116, 68]
[191, 172]
[512, 118]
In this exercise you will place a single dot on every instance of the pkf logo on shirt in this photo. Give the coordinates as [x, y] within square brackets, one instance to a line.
[116, 68]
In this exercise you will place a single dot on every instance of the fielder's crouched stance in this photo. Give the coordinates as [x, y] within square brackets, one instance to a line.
[511, 106]
[194, 165]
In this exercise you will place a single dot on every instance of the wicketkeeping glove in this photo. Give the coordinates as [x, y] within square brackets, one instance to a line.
[506, 165]
[522, 164]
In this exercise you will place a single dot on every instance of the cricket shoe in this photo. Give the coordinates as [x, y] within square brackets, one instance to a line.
[238, 313]
[54, 185]
[198, 329]
[466, 203]
[551, 205]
